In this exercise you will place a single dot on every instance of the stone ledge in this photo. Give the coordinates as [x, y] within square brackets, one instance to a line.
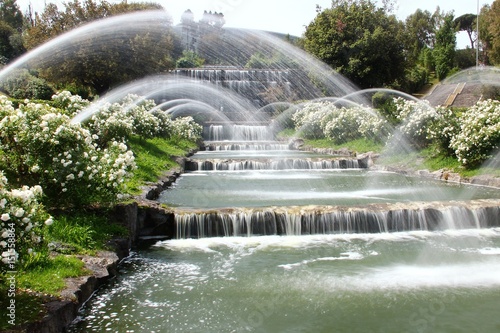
[60, 313]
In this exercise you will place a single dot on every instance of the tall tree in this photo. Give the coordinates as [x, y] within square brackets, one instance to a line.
[11, 24]
[467, 22]
[360, 41]
[444, 50]
[11, 14]
[420, 31]
[490, 31]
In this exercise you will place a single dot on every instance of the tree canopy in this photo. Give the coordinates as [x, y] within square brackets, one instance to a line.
[358, 40]
[97, 64]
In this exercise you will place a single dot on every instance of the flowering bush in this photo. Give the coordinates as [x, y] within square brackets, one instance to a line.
[416, 118]
[479, 133]
[310, 119]
[111, 122]
[68, 103]
[444, 129]
[186, 128]
[325, 119]
[138, 110]
[165, 124]
[348, 124]
[137, 116]
[22, 218]
[41, 146]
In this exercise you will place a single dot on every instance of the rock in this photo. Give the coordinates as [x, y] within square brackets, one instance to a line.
[296, 144]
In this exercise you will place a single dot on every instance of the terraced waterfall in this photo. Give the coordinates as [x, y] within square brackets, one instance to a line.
[271, 239]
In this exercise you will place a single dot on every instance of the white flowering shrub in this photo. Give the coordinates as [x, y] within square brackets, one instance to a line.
[186, 128]
[70, 104]
[416, 119]
[309, 120]
[325, 119]
[479, 133]
[138, 110]
[22, 218]
[41, 146]
[136, 116]
[443, 129]
[165, 123]
[346, 124]
[111, 122]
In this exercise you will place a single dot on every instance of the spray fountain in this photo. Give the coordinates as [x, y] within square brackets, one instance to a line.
[273, 239]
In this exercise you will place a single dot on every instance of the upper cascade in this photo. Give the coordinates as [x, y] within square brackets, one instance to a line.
[238, 133]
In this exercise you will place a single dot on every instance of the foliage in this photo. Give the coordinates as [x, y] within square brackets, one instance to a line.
[490, 31]
[43, 151]
[22, 84]
[349, 36]
[103, 62]
[385, 104]
[415, 79]
[479, 134]
[318, 120]
[22, 220]
[308, 119]
[53, 22]
[189, 59]
[186, 128]
[467, 22]
[444, 51]
[415, 118]
[420, 30]
[41, 146]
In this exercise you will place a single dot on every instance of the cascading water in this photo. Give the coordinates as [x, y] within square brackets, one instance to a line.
[302, 250]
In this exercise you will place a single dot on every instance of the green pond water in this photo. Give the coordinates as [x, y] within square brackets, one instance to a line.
[400, 282]
[444, 281]
[217, 189]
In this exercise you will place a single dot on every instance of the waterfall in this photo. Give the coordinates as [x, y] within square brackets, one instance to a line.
[281, 164]
[238, 133]
[246, 146]
[342, 220]
[248, 83]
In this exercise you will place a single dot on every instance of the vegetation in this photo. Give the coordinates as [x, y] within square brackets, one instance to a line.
[346, 36]
[461, 139]
[58, 177]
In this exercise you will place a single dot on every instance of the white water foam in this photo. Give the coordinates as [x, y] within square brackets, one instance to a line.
[343, 256]
[211, 244]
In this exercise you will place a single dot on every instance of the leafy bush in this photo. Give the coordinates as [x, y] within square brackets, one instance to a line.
[22, 218]
[186, 128]
[22, 84]
[416, 119]
[309, 120]
[325, 119]
[479, 133]
[41, 146]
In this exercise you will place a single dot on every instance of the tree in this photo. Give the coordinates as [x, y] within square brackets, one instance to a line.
[11, 14]
[490, 31]
[189, 59]
[96, 63]
[467, 22]
[11, 23]
[359, 41]
[419, 33]
[444, 51]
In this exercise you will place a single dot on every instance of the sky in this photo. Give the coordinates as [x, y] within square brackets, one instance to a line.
[285, 16]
